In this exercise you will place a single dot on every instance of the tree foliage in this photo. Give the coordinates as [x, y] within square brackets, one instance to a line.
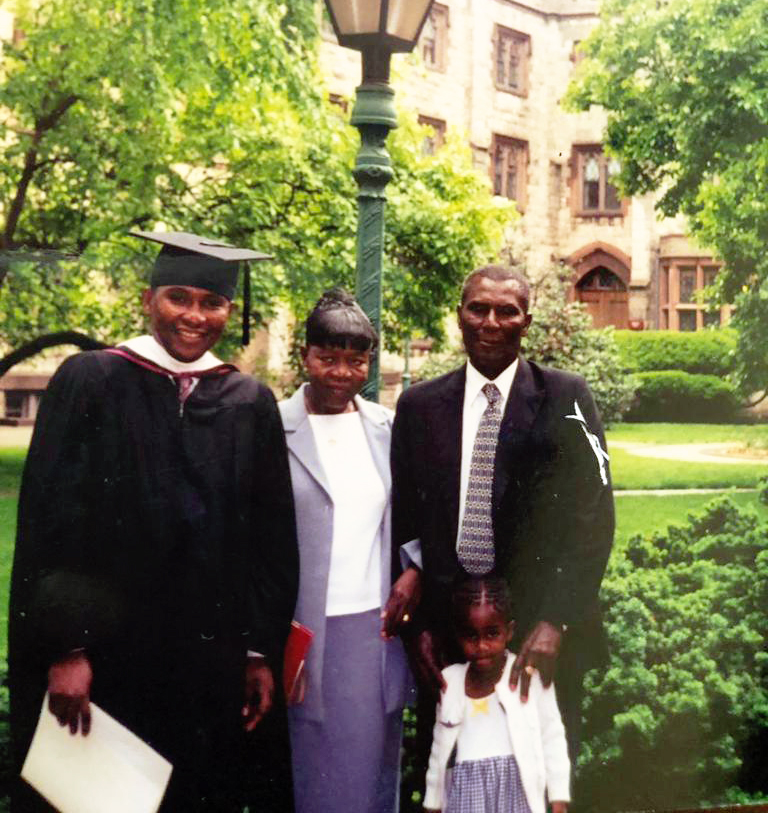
[116, 115]
[673, 720]
[684, 83]
[207, 117]
[441, 223]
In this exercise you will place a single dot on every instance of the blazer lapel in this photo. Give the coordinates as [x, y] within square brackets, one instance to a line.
[447, 426]
[522, 407]
[300, 439]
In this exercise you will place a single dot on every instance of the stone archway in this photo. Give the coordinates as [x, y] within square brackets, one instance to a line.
[601, 282]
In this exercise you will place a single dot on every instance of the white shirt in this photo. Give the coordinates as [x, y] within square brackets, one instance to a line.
[484, 732]
[359, 500]
[475, 403]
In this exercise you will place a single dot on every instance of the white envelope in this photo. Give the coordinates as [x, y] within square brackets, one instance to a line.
[109, 770]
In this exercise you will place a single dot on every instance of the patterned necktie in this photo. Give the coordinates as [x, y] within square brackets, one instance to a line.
[475, 550]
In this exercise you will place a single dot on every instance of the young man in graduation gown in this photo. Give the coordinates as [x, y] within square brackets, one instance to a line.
[156, 566]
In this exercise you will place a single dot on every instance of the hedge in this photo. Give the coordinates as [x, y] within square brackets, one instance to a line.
[709, 352]
[674, 396]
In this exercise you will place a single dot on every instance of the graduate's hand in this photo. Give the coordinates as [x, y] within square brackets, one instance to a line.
[69, 689]
[559, 807]
[426, 660]
[402, 602]
[259, 691]
[539, 651]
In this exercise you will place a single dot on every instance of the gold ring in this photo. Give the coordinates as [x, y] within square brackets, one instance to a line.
[406, 618]
[529, 670]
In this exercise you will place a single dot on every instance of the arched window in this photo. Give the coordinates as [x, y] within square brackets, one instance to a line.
[601, 279]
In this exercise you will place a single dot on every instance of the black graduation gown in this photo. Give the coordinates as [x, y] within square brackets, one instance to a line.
[163, 541]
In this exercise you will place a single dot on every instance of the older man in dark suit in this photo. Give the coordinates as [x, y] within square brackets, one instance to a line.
[500, 467]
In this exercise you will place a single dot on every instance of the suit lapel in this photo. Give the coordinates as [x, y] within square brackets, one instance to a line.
[522, 407]
[300, 439]
[447, 425]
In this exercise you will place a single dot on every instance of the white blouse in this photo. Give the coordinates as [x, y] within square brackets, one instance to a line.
[359, 500]
[484, 732]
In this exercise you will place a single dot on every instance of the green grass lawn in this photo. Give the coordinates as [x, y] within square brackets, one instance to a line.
[754, 435]
[11, 464]
[632, 471]
[641, 514]
[7, 534]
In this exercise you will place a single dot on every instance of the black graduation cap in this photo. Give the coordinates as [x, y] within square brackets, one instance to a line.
[200, 262]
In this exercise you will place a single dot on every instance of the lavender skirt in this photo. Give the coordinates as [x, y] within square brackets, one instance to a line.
[490, 785]
[349, 763]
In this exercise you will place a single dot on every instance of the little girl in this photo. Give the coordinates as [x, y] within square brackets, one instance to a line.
[503, 755]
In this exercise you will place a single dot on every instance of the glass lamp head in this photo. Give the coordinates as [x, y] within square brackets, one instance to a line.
[393, 24]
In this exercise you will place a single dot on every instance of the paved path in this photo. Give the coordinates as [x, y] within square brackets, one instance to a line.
[726, 453]
[15, 437]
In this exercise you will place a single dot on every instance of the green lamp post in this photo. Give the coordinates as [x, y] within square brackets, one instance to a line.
[377, 28]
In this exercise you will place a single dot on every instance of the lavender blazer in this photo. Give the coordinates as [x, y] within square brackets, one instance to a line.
[314, 521]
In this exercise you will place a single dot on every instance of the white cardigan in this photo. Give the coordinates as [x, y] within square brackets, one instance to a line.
[535, 728]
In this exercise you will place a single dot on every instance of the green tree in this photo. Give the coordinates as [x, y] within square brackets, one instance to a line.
[205, 117]
[671, 722]
[684, 83]
[115, 114]
[441, 223]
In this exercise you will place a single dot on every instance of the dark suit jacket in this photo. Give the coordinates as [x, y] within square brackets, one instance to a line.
[552, 513]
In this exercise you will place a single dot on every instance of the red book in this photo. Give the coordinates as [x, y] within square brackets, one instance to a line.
[296, 648]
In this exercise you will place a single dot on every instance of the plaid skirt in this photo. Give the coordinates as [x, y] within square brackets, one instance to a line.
[490, 785]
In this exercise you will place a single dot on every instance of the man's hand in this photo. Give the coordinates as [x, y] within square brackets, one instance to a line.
[259, 691]
[426, 660]
[539, 651]
[69, 689]
[559, 807]
[402, 602]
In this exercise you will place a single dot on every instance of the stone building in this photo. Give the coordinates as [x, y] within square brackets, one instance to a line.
[497, 70]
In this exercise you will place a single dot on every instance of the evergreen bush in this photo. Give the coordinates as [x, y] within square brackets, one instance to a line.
[673, 721]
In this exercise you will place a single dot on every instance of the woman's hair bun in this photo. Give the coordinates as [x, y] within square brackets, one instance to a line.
[337, 320]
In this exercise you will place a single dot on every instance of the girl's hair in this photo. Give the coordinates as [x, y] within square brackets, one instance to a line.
[476, 590]
[338, 321]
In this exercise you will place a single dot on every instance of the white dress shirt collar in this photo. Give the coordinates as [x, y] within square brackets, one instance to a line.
[150, 349]
[476, 381]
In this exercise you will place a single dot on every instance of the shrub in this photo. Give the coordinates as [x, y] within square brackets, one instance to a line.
[670, 721]
[709, 352]
[671, 395]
